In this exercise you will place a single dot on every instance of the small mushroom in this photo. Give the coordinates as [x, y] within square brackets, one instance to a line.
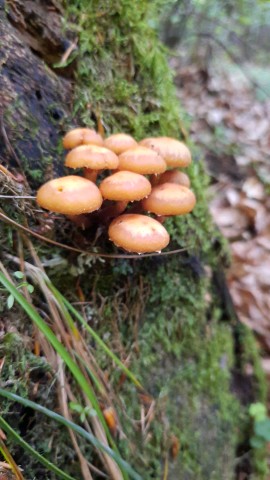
[138, 233]
[172, 176]
[174, 152]
[169, 199]
[141, 160]
[124, 187]
[71, 195]
[92, 158]
[119, 142]
[82, 136]
[127, 186]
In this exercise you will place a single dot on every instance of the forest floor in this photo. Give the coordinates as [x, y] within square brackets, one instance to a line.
[230, 123]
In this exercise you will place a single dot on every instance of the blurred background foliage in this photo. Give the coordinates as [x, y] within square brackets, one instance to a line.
[207, 28]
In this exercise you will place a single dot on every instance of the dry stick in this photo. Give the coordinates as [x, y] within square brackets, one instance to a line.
[11, 462]
[5, 272]
[23, 197]
[62, 395]
[150, 416]
[96, 470]
[7, 173]
[142, 419]
[78, 250]
[2, 363]
[68, 52]
[166, 468]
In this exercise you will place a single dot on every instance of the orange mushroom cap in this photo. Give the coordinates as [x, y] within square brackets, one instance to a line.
[138, 233]
[124, 185]
[111, 419]
[93, 157]
[141, 160]
[119, 142]
[175, 153]
[174, 176]
[169, 199]
[81, 136]
[69, 195]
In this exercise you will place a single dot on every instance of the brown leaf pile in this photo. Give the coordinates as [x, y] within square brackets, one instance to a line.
[243, 216]
[233, 129]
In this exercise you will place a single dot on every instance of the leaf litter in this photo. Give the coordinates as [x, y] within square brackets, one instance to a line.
[231, 125]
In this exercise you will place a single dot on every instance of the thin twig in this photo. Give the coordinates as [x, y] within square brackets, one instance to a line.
[28, 231]
[166, 468]
[23, 197]
[8, 457]
[68, 52]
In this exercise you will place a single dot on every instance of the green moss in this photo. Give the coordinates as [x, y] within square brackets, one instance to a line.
[122, 70]
[185, 361]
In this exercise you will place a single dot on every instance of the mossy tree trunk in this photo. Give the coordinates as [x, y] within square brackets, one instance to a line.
[165, 313]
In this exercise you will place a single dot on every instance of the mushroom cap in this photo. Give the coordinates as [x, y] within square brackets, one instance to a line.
[69, 195]
[81, 136]
[91, 156]
[175, 153]
[174, 176]
[119, 142]
[124, 185]
[141, 160]
[138, 233]
[169, 199]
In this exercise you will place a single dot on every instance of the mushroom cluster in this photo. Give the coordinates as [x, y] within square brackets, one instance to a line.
[145, 174]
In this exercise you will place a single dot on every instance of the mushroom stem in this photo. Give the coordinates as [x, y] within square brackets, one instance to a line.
[111, 211]
[104, 215]
[90, 174]
[161, 218]
[83, 221]
[154, 179]
[136, 207]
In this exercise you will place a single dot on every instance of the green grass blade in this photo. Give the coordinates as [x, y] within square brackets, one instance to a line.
[76, 428]
[48, 333]
[91, 374]
[16, 437]
[99, 341]
[65, 313]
